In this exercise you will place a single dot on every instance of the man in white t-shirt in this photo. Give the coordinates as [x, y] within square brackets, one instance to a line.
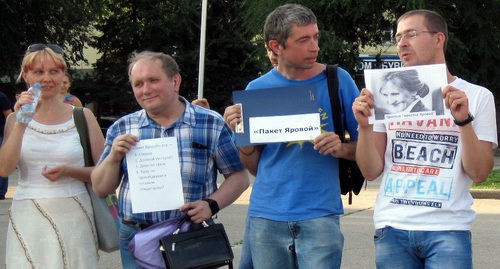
[423, 209]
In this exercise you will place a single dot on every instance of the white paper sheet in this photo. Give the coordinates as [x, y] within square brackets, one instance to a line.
[155, 175]
[284, 128]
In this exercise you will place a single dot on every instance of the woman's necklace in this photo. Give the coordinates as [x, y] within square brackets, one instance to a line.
[52, 131]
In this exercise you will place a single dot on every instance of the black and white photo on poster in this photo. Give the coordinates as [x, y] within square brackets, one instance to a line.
[406, 92]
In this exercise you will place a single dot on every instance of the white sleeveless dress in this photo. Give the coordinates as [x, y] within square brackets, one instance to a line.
[51, 224]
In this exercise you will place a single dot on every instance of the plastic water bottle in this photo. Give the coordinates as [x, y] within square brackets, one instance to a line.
[27, 110]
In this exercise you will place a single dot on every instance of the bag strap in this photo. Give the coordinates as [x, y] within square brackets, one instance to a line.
[83, 131]
[333, 90]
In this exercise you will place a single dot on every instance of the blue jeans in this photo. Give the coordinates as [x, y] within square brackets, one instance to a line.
[315, 243]
[126, 235]
[4, 181]
[422, 249]
[4, 185]
[246, 256]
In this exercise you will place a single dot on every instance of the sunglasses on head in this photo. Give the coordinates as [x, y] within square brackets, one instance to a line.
[53, 47]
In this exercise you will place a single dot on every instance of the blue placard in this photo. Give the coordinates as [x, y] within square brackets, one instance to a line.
[294, 100]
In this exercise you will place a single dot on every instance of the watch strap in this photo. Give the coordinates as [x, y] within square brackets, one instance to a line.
[214, 206]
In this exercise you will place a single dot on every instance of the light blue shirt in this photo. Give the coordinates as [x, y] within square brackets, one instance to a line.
[205, 146]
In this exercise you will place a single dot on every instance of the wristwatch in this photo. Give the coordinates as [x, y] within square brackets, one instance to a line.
[469, 119]
[214, 206]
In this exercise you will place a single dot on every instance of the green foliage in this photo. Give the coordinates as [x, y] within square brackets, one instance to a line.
[63, 22]
[493, 181]
[173, 27]
[345, 26]
[473, 49]
[474, 41]
[234, 49]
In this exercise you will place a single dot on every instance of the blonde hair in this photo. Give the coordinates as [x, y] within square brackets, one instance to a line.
[46, 53]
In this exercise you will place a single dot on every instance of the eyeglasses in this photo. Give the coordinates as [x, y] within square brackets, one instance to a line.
[411, 35]
[38, 47]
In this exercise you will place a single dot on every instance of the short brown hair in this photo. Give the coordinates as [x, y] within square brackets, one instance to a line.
[433, 21]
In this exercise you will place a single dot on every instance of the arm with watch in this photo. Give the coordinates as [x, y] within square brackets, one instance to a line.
[233, 185]
[227, 193]
[477, 155]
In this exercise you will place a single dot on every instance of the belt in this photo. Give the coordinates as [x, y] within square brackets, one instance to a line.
[134, 224]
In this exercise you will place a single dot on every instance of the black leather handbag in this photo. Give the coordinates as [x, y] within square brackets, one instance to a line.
[206, 247]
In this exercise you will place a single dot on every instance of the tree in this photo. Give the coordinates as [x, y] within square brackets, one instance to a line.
[474, 38]
[346, 26]
[64, 22]
[173, 27]
[234, 51]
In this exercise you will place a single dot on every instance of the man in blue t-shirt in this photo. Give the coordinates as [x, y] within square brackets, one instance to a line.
[293, 217]
[6, 108]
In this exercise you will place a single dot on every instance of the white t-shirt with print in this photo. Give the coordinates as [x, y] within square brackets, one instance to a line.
[424, 186]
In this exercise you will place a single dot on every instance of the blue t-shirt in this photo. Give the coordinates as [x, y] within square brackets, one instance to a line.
[295, 182]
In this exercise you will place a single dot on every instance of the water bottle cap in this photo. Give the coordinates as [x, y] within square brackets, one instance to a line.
[37, 86]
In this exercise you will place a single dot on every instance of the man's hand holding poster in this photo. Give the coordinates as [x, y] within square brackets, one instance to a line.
[406, 92]
[277, 115]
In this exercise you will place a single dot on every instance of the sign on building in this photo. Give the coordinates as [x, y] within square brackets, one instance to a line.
[378, 62]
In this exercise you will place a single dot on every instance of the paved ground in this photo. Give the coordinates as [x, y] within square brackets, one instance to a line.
[357, 227]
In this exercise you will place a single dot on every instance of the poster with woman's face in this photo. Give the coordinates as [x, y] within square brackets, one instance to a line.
[406, 92]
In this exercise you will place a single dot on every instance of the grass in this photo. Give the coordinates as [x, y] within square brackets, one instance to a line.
[491, 183]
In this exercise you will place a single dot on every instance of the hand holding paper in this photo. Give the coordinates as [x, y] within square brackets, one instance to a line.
[278, 115]
[407, 92]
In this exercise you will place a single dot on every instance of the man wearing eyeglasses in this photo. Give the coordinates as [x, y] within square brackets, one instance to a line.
[423, 212]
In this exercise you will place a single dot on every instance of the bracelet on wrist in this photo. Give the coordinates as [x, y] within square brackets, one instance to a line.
[249, 153]
[468, 120]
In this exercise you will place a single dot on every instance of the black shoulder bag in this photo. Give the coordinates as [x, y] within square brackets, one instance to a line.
[205, 248]
[351, 179]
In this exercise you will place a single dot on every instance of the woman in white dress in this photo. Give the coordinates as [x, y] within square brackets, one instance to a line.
[50, 221]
